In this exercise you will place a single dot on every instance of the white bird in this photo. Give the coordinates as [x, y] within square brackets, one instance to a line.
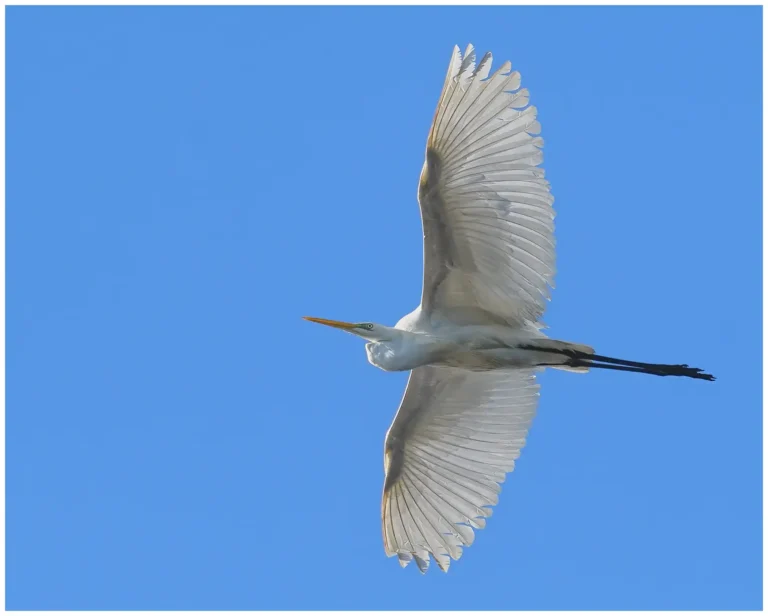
[475, 343]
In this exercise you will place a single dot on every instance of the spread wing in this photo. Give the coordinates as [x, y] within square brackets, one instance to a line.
[456, 435]
[486, 207]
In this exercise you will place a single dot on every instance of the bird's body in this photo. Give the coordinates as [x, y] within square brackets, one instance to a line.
[474, 344]
[414, 342]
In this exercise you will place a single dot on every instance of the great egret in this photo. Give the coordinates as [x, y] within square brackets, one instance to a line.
[474, 344]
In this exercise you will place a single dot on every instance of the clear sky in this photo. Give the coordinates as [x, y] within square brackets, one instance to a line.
[184, 184]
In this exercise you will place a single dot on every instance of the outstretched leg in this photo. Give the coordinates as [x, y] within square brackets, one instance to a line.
[580, 359]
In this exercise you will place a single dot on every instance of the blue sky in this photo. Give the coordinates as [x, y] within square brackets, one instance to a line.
[184, 184]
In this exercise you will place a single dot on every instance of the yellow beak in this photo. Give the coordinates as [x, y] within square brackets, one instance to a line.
[338, 324]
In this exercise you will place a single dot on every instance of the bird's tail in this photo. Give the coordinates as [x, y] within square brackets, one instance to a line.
[580, 358]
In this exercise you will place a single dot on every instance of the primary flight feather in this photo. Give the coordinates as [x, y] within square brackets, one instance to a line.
[474, 344]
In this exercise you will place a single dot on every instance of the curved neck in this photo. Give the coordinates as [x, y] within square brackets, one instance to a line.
[404, 350]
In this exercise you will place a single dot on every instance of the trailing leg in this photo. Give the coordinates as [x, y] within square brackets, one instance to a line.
[582, 359]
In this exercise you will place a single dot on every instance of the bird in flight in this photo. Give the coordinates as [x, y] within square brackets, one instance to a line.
[474, 344]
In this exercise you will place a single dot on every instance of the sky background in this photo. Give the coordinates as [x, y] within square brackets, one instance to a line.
[183, 184]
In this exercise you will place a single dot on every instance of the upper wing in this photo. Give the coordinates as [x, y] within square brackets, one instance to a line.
[456, 434]
[485, 205]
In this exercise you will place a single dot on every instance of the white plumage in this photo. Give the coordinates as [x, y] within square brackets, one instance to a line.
[455, 437]
[474, 343]
[485, 203]
[484, 200]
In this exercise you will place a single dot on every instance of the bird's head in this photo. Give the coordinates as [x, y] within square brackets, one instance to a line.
[369, 331]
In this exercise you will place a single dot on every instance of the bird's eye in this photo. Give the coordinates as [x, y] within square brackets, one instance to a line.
[369, 326]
